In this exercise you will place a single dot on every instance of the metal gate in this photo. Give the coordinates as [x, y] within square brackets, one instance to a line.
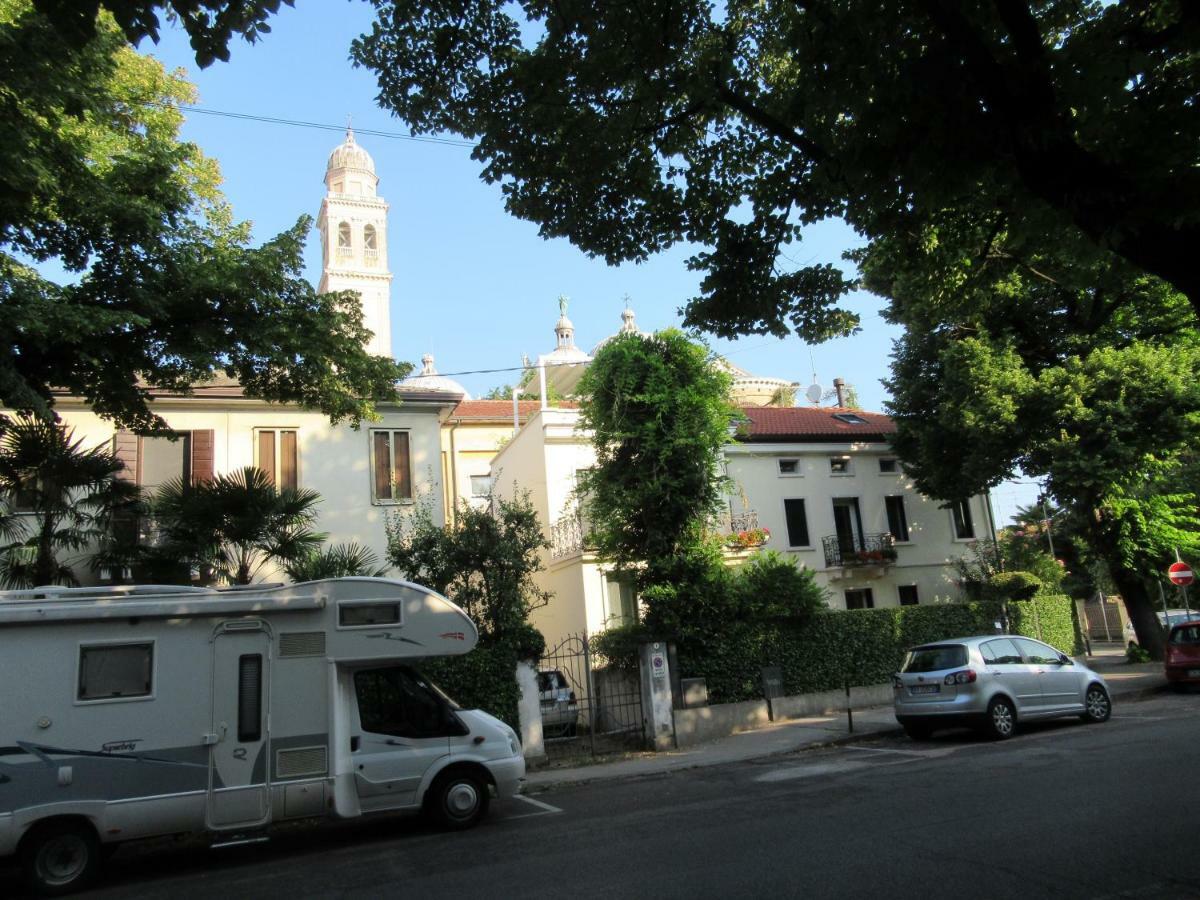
[586, 709]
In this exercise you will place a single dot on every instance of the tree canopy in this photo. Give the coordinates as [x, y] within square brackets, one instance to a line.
[659, 414]
[1028, 348]
[629, 127]
[158, 288]
[210, 24]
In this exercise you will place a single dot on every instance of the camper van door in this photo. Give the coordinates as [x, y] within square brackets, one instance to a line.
[239, 761]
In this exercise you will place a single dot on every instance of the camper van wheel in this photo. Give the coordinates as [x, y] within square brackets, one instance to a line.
[458, 800]
[60, 857]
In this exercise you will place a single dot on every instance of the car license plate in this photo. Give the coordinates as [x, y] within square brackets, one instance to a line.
[924, 689]
[1193, 673]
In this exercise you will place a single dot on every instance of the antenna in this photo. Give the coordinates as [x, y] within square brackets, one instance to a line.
[815, 392]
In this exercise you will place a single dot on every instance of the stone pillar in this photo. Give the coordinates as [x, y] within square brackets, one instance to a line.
[657, 708]
[530, 711]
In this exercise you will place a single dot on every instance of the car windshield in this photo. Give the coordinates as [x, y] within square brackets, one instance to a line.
[1186, 634]
[933, 659]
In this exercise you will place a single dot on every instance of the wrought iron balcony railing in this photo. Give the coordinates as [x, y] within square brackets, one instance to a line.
[566, 536]
[843, 551]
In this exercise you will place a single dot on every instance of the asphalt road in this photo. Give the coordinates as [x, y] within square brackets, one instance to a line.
[1062, 810]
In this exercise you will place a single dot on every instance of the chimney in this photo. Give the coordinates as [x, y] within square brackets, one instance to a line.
[839, 388]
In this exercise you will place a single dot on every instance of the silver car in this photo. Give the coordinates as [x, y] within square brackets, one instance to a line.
[992, 683]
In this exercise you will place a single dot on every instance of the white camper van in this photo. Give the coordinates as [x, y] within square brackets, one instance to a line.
[128, 713]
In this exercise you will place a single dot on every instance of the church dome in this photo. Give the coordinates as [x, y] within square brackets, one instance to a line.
[628, 326]
[349, 155]
[429, 380]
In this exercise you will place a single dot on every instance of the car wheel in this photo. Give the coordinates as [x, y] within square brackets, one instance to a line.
[1096, 705]
[918, 731]
[1001, 720]
[458, 800]
[60, 857]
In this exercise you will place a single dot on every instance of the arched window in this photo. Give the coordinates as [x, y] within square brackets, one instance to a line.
[343, 238]
[369, 240]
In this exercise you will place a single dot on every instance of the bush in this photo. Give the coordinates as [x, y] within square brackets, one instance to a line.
[771, 585]
[617, 647]
[483, 679]
[1012, 586]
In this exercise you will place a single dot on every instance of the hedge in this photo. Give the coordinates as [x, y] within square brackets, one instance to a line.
[486, 678]
[859, 646]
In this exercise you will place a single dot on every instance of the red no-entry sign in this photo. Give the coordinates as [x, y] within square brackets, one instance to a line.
[1181, 574]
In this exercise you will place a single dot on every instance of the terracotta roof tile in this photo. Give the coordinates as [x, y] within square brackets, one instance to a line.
[815, 423]
[501, 409]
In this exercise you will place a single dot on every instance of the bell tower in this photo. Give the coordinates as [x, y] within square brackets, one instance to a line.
[353, 226]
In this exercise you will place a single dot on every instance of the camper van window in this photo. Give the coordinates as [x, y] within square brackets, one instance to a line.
[115, 671]
[249, 698]
[352, 615]
[399, 702]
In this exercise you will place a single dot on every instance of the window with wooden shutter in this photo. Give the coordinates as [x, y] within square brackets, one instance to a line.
[390, 466]
[202, 463]
[277, 455]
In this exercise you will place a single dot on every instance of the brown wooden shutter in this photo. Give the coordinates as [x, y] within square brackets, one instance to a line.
[287, 460]
[125, 448]
[403, 474]
[383, 485]
[202, 455]
[266, 454]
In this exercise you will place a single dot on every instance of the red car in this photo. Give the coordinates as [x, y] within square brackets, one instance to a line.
[1183, 653]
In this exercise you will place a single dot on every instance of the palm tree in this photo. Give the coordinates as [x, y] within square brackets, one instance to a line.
[237, 523]
[338, 561]
[55, 497]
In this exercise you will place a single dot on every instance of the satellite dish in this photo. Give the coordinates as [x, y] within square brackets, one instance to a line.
[814, 393]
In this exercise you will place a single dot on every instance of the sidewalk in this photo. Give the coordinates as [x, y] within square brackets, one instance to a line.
[1124, 681]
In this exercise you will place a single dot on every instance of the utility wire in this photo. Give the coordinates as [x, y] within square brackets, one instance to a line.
[320, 126]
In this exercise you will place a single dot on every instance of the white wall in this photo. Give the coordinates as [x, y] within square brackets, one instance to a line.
[925, 560]
[332, 460]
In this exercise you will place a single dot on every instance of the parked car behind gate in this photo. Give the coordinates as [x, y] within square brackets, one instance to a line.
[992, 683]
[560, 711]
[1183, 654]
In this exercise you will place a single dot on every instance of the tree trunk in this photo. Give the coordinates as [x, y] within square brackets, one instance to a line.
[45, 567]
[1140, 605]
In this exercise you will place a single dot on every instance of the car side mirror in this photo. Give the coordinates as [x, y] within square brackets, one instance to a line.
[1066, 660]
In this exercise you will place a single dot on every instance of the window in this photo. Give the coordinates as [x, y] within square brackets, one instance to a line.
[1001, 652]
[908, 595]
[850, 418]
[840, 465]
[343, 240]
[370, 241]
[161, 459]
[481, 485]
[249, 698]
[358, 615]
[889, 466]
[622, 601]
[399, 702]
[797, 522]
[789, 467]
[935, 658]
[115, 671]
[860, 598]
[897, 520]
[277, 456]
[392, 481]
[964, 528]
[1038, 654]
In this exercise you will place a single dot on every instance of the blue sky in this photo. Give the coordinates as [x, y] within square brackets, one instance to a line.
[474, 286]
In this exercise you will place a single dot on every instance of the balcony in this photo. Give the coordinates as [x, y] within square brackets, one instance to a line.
[852, 551]
[566, 536]
[745, 532]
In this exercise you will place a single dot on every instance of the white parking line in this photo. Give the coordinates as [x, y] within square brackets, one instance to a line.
[546, 808]
[882, 750]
